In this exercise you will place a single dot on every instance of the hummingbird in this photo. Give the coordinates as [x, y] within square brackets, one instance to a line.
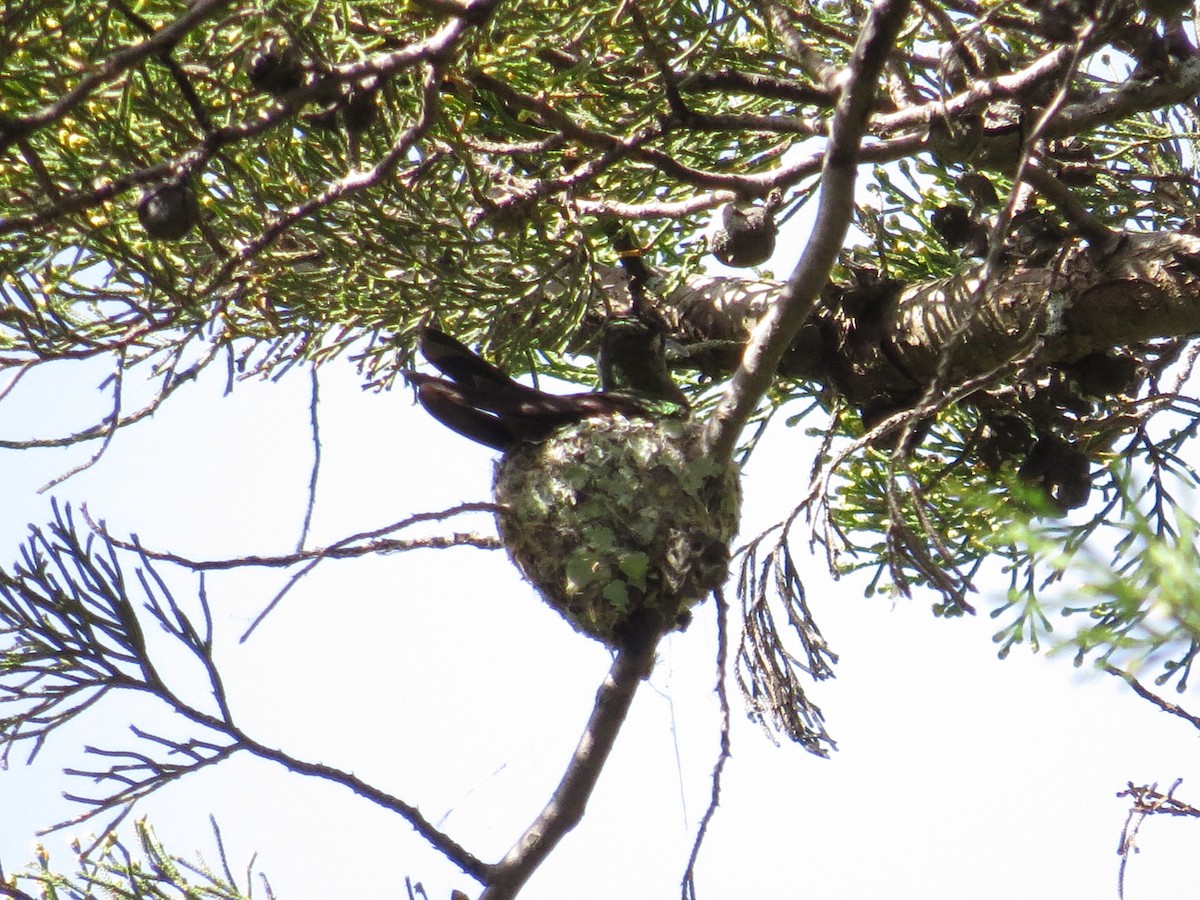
[480, 401]
[605, 501]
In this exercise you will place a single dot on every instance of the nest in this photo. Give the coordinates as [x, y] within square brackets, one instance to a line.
[620, 523]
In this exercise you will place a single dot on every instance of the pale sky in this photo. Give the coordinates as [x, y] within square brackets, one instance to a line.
[442, 678]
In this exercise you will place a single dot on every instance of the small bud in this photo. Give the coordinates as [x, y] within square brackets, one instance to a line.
[167, 212]
[359, 110]
[275, 67]
[742, 234]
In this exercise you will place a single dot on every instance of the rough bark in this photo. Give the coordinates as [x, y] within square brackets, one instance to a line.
[1079, 304]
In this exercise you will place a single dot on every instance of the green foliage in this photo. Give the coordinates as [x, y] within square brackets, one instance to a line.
[161, 208]
[108, 870]
[292, 256]
[1139, 599]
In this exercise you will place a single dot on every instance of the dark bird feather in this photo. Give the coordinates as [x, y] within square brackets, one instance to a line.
[480, 401]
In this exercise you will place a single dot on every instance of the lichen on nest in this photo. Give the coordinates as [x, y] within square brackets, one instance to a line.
[619, 522]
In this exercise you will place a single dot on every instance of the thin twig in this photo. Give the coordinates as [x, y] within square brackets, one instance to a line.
[689, 876]
[114, 421]
[13, 892]
[1146, 694]
[355, 545]
[1147, 801]
[314, 424]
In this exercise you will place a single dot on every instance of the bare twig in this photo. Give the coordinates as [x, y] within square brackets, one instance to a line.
[362, 544]
[315, 426]
[565, 807]
[1147, 800]
[113, 421]
[1146, 694]
[13, 892]
[172, 379]
[688, 887]
[439, 840]
[355, 545]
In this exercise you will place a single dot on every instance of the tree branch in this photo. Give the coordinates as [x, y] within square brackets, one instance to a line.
[565, 808]
[159, 43]
[77, 630]
[350, 547]
[774, 333]
[1146, 694]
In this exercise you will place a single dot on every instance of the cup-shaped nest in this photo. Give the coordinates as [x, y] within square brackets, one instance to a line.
[620, 523]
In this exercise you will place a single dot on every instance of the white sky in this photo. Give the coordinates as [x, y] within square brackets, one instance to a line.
[440, 677]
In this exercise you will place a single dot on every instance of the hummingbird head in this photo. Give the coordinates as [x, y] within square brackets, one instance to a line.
[633, 360]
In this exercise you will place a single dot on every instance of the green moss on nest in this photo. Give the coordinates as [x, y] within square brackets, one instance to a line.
[614, 517]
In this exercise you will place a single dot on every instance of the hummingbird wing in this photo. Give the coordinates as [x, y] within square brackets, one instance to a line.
[499, 420]
[481, 402]
[460, 363]
[449, 404]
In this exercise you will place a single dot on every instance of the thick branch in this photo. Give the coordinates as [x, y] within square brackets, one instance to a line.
[1146, 289]
[778, 327]
[566, 806]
